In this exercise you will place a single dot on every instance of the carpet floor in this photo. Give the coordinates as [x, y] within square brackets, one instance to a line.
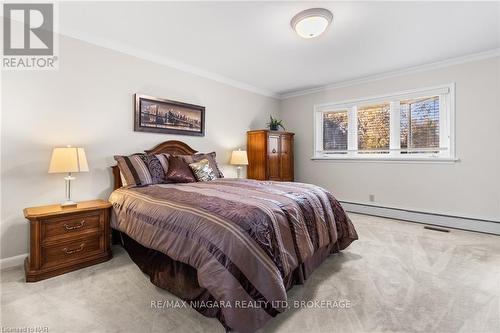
[398, 277]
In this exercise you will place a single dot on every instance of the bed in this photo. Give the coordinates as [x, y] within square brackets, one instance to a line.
[230, 247]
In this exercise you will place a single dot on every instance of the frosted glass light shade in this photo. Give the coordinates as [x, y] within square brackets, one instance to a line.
[239, 157]
[312, 22]
[68, 159]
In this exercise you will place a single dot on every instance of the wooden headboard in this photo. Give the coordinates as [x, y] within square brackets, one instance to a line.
[172, 147]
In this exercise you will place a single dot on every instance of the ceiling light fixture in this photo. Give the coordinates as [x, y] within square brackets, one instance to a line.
[311, 22]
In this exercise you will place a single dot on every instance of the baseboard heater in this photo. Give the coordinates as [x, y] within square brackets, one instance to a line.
[436, 229]
[431, 220]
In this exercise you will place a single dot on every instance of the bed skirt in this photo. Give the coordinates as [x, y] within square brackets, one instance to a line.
[181, 279]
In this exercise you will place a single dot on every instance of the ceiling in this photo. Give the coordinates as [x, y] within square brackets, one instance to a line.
[252, 43]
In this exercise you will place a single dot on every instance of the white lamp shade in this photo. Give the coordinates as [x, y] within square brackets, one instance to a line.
[239, 157]
[68, 159]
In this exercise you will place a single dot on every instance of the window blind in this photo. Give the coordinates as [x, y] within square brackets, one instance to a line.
[420, 123]
[335, 130]
[373, 127]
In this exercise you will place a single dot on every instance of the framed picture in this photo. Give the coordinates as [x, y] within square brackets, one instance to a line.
[159, 115]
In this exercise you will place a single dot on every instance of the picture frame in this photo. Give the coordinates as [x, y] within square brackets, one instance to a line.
[158, 115]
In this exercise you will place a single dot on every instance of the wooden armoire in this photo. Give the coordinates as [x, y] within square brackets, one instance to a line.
[270, 155]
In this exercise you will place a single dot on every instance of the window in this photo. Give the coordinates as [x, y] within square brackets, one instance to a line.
[373, 128]
[335, 130]
[420, 123]
[411, 125]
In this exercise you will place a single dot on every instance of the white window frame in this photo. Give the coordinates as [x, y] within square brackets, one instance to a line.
[446, 95]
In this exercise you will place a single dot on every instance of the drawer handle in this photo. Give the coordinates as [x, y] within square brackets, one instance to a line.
[73, 227]
[65, 250]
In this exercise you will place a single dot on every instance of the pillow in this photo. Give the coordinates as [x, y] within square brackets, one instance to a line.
[179, 171]
[143, 169]
[133, 169]
[155, 168]
[122, 179]
[202, 170]
[163, 158]
[200, 156]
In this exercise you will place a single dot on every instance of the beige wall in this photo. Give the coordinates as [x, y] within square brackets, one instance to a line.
[469, 188]
[89, 102]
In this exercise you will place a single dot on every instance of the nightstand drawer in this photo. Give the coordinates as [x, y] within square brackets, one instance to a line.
[63, 227]
[73, 250]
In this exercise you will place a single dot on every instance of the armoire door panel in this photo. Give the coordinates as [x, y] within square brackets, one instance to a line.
[257, 155]
[286, 158]
[273, 157]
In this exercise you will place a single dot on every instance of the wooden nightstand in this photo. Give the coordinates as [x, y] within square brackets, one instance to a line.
[66, 239]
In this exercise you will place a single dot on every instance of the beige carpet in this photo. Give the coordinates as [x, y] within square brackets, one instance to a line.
[398, 277]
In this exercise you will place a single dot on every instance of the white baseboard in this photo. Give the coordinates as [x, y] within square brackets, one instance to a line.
[13, 261]
[455, 222]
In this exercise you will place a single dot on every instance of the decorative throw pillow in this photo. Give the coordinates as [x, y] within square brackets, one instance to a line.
[202, 170]
[143, 169]
[200, 156]
[155, 168]
[163, 158]
[179, 171]
[134, 170]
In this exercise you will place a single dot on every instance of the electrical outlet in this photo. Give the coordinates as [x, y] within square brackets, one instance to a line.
[371, 197]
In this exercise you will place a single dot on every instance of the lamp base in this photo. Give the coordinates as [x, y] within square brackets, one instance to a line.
[68, 202]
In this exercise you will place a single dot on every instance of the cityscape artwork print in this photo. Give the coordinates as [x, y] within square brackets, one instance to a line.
[159, 115]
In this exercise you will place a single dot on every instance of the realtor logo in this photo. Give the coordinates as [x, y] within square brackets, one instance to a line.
[34, 33]
[28, 36]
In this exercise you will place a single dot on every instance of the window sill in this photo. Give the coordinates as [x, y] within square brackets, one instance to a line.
[425, 159]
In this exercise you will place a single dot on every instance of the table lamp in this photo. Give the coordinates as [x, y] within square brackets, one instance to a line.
[239, 158]
[68, 160]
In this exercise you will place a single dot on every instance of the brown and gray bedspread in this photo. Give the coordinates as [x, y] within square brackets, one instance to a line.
[243, 237]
